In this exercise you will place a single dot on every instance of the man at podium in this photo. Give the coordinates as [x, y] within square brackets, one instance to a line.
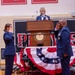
[42, 15]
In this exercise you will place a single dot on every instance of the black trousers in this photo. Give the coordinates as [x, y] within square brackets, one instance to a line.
[9, 64]
[65, 65]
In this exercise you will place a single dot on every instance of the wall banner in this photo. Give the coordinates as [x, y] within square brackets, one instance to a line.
[13, 2]
[43, 1]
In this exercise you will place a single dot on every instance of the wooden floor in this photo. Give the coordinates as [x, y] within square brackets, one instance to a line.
[2, 73]
[29, 73]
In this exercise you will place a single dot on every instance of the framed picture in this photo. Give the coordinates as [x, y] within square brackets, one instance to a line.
[13, 2]
[43, 1]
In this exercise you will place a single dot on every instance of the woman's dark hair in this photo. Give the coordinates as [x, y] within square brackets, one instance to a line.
[7, 26]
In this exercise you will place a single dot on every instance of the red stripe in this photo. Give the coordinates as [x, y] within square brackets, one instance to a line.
[51, 49]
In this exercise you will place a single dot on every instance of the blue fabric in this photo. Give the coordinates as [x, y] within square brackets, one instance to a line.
[9, 64]
[40, 17]
[63, 42]
[65, 65]
[9, 43]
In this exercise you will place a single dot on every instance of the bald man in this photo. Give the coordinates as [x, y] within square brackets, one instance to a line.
[64, 49]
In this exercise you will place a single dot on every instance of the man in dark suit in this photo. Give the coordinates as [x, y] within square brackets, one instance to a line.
[9, 48]
[64, 49]
[42, 15]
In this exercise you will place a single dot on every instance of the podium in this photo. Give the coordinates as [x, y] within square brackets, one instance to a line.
[40, 32]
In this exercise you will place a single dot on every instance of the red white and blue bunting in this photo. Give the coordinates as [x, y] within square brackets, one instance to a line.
[44, 58]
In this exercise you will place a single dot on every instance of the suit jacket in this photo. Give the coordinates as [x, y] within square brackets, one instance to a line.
[9, 43]
[63, 42]
[45, 17]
